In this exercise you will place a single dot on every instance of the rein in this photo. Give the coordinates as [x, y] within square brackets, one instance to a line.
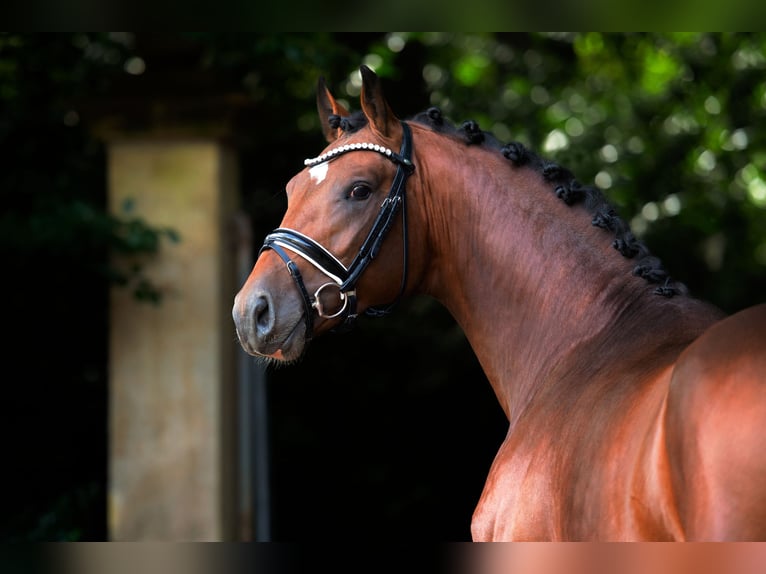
[345, 278]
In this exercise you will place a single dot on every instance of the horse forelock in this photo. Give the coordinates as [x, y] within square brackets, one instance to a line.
[569, 190]
[349, 124]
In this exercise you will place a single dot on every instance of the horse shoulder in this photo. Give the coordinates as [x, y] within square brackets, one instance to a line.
[715, 420]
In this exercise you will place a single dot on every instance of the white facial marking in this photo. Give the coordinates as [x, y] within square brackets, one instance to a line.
[319, 172]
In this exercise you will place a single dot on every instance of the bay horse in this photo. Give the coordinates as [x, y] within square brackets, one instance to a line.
[635, 411]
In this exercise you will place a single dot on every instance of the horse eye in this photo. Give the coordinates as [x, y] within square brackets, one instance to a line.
[360, 191]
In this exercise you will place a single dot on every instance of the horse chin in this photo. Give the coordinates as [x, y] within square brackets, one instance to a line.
[284, 357]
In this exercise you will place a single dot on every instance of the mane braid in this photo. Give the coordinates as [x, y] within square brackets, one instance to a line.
[570, 191]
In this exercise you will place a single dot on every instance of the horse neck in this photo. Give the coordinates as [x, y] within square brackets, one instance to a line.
[532, 284]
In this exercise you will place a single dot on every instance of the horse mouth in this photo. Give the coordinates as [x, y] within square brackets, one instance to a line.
[287, 349]
[292, 346]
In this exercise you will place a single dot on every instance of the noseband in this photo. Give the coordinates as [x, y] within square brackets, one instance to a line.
[345, 278]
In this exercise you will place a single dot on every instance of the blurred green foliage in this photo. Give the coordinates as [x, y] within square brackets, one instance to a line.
[669, 125]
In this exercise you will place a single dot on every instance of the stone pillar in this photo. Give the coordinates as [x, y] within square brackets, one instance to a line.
[173, 365]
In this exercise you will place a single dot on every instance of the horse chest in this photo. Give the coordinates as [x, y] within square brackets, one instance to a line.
[518, 500]
[554, 489]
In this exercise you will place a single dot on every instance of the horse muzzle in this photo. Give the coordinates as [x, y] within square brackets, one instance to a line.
[268, 327]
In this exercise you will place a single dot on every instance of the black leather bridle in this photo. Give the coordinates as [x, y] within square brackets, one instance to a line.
[345, 278]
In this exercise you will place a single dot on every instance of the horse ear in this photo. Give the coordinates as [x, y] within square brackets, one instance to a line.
[382, 119]
[327, 106]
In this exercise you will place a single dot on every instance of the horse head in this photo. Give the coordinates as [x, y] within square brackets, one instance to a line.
[326, 262]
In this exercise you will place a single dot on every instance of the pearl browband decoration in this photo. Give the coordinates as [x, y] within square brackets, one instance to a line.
[327, 156]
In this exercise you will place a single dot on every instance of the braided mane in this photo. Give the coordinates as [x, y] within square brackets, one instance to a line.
[563, 184]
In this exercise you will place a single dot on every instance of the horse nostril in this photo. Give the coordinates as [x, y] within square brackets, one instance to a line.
[264, 319]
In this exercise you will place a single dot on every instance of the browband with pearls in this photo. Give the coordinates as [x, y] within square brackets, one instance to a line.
[327, 156]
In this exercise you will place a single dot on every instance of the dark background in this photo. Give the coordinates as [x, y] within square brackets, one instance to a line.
[387, 432]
